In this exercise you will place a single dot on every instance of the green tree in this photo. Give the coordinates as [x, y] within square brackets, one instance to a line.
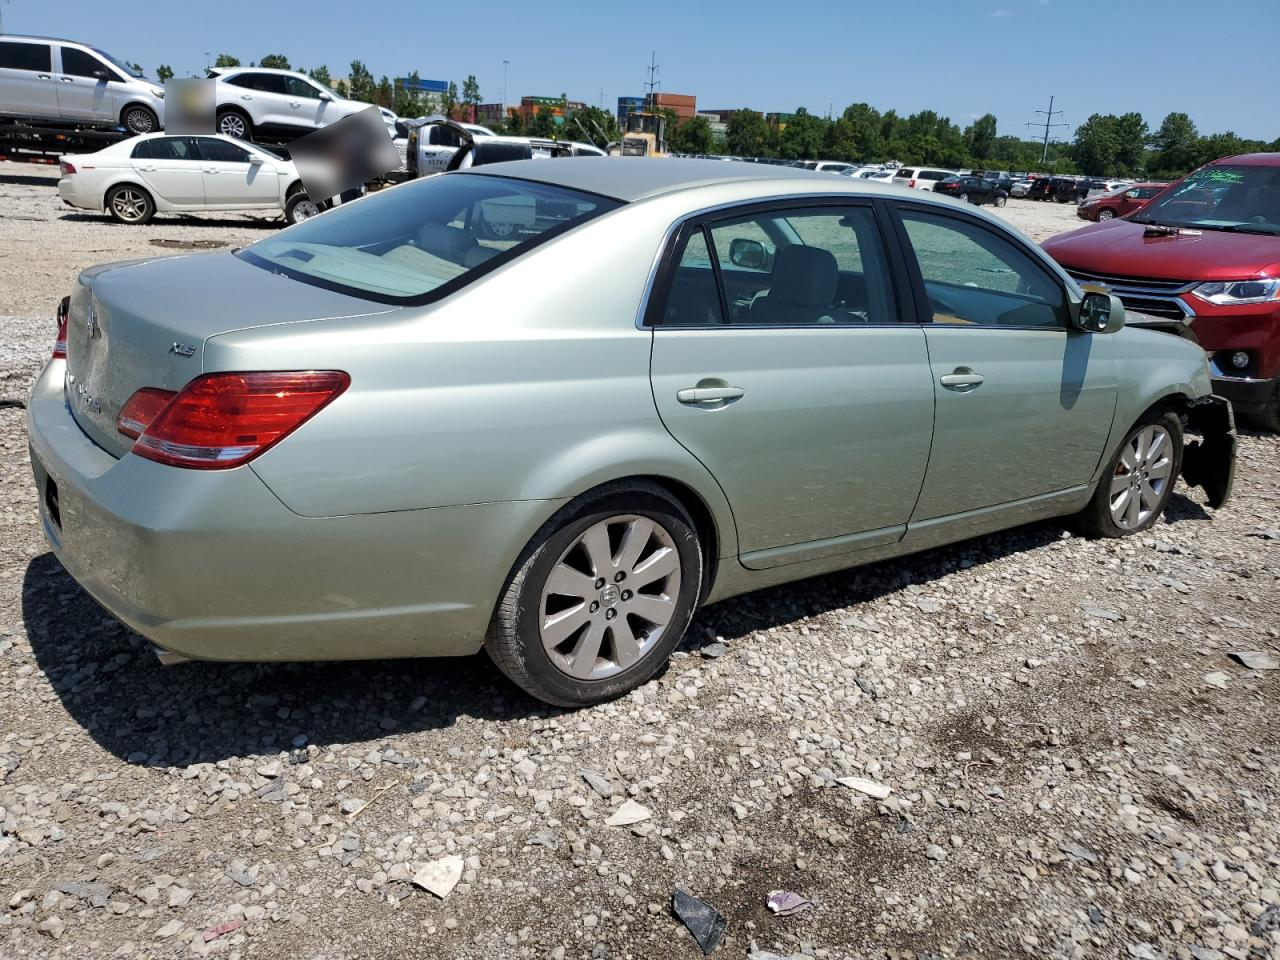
[543, 123]
[408, 101]
[321, 75]
[164, 72]
[362, 84]
[341, 89]
[803, 137]
[276, 61]
[1175, 146]
[1132, 134]
[470, 91]
[980, 138]
[226, 60]
[593, 125]
[855, 135]
[385, 93]
[513, 126]
[449, 99]
[1107, 144]
[693, 136]
[748, 134]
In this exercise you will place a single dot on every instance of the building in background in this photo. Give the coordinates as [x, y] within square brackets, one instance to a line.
[684, 105]
[626, 107]
[718, 127]
[779, 120]
[531, 106]
[490, 114]
[721, 116]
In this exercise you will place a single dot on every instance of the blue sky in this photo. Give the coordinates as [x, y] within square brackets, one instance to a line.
[1217, 61]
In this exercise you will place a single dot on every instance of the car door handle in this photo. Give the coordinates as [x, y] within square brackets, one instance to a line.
[295, 103]
[701, 395]
[209, 169]
[66, 79]
[245, 96]
[148, 169]
[962, 380]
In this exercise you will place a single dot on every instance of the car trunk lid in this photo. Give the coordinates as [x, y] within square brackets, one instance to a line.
[144, 323]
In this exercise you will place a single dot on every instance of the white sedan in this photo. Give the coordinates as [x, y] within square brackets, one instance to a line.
[162, 173]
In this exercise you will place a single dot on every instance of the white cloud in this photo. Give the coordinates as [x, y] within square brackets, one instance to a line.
[1001, 12]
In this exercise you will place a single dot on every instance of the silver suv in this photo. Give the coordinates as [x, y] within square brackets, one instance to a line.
[268, 104]
[42, 78]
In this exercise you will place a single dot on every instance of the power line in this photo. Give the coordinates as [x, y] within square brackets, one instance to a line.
[1048, 126]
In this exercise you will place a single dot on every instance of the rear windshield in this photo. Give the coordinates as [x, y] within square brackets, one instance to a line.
[1241, 199]
[424, 240]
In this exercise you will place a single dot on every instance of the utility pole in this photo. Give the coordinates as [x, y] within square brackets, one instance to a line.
[653, 82]
[505, 64]
[1047, 125]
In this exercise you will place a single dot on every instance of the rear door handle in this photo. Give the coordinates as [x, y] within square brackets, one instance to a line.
[245, 96]
[701, 395]
[295, 103]
[66, 79]
[962, 380]
[210, 169]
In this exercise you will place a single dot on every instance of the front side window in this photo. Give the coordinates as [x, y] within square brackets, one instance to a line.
[423, 241]
[973, 276]
[77, 63]
[297, 87]
[219, 151]
[785, 267]
[25, 56]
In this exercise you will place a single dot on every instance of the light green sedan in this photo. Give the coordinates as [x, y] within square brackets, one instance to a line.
[549, 408]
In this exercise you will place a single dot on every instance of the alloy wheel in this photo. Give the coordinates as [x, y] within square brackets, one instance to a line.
[231, 125]
[139, 120]
[610, 597]
[1105, 214]
[129, 205]
[1142, 477]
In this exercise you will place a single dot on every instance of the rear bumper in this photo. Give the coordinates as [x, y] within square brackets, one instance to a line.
[211, 565]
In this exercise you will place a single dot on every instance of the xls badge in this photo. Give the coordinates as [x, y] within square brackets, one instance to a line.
[91, 321]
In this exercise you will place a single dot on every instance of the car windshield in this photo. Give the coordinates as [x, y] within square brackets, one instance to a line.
[128, 68]
[1236, 198]
[424, 240]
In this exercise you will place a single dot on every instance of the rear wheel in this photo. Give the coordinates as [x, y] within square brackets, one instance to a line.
[1137, 484]
[963, 198]
[1001, 199]
[233, 123]
[130, 204]
[600, 597]
[1106, 214]
[300, 207]
[139, 119]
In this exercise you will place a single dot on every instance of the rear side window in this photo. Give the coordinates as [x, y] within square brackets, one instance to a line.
[426, 239]
[165, 148]
[934, 175]
[264, 82]
[25, 56]
[693, 298]
[904, 174]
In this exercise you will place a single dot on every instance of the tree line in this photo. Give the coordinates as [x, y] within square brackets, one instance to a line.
[1104, 145]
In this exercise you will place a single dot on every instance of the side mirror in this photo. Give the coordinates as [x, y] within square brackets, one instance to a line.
[326, 96]
[1100, 313]
[255, 160]
[748, 254]
[101, 74]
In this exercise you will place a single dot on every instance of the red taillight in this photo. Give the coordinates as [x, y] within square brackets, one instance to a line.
[912, 183]
[66, 168]
[141, 409]
[222, 420]
[60, 344]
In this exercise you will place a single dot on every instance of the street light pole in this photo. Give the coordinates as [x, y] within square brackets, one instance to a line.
[505, 64]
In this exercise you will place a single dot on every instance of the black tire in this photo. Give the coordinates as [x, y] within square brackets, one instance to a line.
[235, 123]
[129, 203]
[139, 119]
[1096, 519]
[298, 208]
[963, 198]
[514, 642]
[1106, 214]
[1268, 415]
[1001, 199]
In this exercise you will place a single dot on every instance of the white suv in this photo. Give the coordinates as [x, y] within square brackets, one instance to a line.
[920, 178]
[265, 104]
[73, 83]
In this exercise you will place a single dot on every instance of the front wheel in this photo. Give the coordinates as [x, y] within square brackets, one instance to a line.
[138, 119]
[1105, 215]
[600, 597]
[963, 198]
[1137, 484]
[130, 204]
[1001, 199]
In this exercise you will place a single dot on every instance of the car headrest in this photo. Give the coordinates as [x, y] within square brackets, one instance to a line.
[449, 243]
[807, 276]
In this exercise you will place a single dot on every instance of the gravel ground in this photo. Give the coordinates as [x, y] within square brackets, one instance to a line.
[1078, 767]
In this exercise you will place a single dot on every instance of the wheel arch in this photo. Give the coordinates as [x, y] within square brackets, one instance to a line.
[126, 182]
[129, 105]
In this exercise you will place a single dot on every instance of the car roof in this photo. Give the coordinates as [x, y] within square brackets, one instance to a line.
[1251, 160]
[635, 178]
[26, 36]
[227, 71]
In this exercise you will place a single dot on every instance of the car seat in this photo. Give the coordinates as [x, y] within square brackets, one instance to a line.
[801, 288]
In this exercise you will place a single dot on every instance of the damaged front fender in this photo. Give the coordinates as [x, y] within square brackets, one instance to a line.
[1210, 462]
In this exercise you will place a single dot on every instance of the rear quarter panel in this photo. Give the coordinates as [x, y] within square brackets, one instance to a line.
[530, 384]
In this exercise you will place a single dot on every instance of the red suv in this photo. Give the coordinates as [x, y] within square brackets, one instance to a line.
[1117, 203]
[1206, 253]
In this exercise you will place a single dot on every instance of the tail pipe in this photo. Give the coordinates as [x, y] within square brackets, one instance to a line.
[168, 658]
